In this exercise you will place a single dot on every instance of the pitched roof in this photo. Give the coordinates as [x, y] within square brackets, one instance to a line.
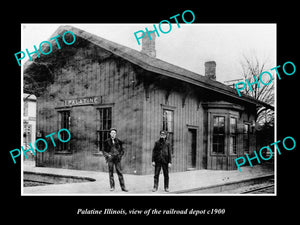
[159, 66]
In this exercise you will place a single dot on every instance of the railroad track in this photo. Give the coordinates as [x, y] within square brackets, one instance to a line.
[30, 183]
[260, 190]
[238, 187]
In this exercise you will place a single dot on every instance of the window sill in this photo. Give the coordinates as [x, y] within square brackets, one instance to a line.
[216, 154]
[63, 152]
[99, 154]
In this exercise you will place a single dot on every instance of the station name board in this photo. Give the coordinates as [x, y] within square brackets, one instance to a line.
[81, 101]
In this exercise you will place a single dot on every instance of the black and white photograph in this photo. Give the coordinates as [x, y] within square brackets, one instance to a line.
[129, 109]
[145, 112]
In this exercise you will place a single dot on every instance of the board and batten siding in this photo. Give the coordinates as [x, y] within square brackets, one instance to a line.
[137, 98]
[191, 114]
[113, 83]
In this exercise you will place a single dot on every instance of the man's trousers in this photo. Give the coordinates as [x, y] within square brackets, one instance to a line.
[165, 168]
[117, 165]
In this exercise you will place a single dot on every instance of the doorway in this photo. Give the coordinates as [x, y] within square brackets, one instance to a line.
[191, 148]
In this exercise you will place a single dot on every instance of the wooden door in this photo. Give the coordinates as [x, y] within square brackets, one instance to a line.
[191, 148]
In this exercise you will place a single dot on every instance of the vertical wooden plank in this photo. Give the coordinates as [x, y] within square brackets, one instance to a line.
[216, 164]
[212, 163]
[208, 163]
[154, 115]
[101, 79]
[113, 78]
[127, 133]
[185, 120]
[179, 132]
[146, 132]
[218, 160]
[198, 137]
[225, 163]
[179, 113]
[129, 109]
[220, 163]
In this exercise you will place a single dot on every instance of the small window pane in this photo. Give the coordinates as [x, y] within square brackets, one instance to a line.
[233, 137]
[168, 125]
[246, 138]
[233, 125]
[218, 134]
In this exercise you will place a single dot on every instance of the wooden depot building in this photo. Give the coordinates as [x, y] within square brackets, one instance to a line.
[95, 84]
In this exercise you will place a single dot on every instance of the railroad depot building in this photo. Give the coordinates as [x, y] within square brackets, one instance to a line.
[95, 84]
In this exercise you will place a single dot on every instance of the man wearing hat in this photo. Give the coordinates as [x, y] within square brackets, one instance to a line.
[161, 158]
[113, 152]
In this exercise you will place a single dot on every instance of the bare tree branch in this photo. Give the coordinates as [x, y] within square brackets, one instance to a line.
[252, 67]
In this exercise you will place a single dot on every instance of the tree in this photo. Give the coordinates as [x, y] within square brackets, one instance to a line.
[252, 67]
[36, 77]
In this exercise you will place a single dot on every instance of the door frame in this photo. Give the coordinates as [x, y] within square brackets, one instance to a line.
[196, 128]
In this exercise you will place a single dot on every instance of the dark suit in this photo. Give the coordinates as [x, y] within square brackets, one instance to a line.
[161, 155]
[113, 153]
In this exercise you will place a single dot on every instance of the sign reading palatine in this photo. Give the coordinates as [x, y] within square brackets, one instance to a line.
[81, 101]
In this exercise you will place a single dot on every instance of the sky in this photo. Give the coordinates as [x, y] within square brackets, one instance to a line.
[189, 46]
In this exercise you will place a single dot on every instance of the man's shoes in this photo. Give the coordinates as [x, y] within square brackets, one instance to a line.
[166, 189]
[154, 189]
[112, 189]
[124, 189]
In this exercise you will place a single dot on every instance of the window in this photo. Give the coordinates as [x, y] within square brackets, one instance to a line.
[233, 135]
[64, 122]
[168, 125]
[25, 113]
[246, 137]
[27, 134]
[218, 135]
[104, 118]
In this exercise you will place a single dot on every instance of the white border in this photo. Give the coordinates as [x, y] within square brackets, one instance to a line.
[153, 195]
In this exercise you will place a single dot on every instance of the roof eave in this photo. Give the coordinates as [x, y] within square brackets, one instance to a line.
[211, 85]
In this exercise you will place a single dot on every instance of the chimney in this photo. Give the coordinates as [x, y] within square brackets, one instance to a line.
[148, 46]
[210, 69]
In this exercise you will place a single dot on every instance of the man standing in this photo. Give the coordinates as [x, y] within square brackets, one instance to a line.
[113, 152]
[161, 158]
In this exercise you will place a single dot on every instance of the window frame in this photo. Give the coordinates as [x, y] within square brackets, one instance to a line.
[99, 128]
[171, 134]
[248, 137]
[212, 153]
[27, 130]
[227, 114]
[64, 147]
[233, 134]
[25, 108]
